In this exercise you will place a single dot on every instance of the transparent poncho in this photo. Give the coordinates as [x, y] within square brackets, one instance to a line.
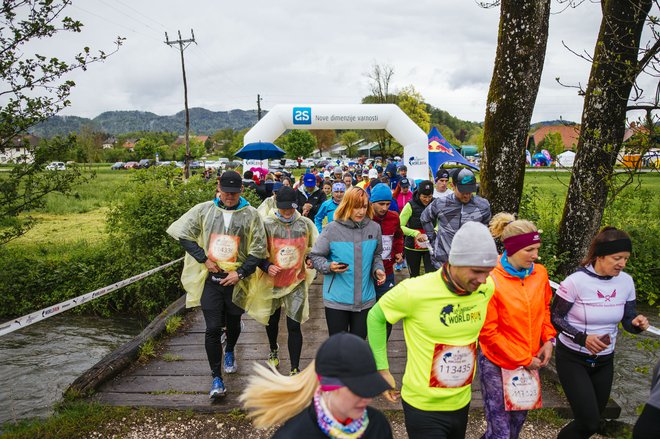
[289, 243]
[228, 247]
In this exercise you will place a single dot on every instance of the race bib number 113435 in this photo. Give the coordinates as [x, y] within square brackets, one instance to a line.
[453, 366]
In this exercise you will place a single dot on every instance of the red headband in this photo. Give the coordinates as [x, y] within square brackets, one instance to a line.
[512, 244]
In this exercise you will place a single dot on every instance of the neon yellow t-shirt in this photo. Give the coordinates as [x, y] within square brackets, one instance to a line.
[441, 331]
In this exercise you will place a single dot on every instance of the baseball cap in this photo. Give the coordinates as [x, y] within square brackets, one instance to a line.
[404, 182]
[327, 174]
[337, 170]
[425, 187]
[464, 180]
[286, 198]
[365, 172]
[309, 180]
[346, 359]
[373, 173]
[403, 168]
[442, 173]
[230, 181]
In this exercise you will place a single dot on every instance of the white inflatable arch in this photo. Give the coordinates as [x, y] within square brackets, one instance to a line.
[387, 117]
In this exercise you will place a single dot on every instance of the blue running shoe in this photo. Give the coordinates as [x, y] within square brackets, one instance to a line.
[230, 363]
[217, 389]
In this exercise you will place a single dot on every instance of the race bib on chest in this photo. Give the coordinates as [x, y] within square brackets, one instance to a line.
[387, 246]
[453, 366]
[223, 248]
[288, 253]
[522, 389]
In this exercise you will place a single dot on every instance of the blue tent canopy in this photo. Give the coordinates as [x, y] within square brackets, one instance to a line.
[441, 152]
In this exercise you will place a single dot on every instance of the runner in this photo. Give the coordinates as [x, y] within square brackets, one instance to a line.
[311, 197]
[588, 307]
[224, 240]
[416, 242]
[517, 336]
[648, 424]
[268, 205]
[442, 315]
[390, 228]
[441, 182]
[284, 279]
[327, 209]
[451, 212]
[328, 399]
[348, 254]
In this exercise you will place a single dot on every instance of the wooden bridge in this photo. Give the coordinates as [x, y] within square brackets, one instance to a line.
[179, 376]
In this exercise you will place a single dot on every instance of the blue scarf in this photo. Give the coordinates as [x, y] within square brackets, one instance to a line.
[522, 274]
[285, 220]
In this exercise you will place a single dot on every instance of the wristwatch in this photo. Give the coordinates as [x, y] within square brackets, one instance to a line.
[241, 276]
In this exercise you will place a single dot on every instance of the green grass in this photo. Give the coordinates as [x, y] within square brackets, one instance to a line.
[173, 323]
[147, 350]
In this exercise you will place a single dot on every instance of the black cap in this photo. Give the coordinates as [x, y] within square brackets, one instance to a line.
[348, 358]
[425, 187]
[464, 180]
[230, 181]
[404, 182]
[442, 173]
[286, 198]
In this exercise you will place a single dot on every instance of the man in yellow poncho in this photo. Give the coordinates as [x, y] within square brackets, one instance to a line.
[225, 240]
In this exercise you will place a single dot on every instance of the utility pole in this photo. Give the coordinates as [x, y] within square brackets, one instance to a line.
[183, 45]
[258, 107]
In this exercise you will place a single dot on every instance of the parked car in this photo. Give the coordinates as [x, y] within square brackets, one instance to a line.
[117, 166]
[288, 163]
[131, 165]
[56, 166]
[144, 163]
[307, 163]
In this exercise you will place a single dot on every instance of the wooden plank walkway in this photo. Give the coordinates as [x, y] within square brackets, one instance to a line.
[185, 382]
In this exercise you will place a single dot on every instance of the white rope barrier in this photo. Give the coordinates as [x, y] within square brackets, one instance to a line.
[51, 311]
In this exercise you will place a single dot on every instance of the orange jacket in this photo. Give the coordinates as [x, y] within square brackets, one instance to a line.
[518, 318]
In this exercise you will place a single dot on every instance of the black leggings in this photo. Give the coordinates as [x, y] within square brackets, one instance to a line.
[421, 424]
[587, 383]
[215, 321]
[414, 259]
[295, 341]
[347, 321]
[648, 424]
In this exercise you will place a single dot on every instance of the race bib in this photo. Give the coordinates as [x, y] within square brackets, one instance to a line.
[453, 366]
[288, 254]
[522, 389]
[424, 245]
[223, 248]
[387, 246]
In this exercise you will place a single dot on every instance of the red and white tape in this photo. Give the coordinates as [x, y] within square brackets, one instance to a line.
[43, 314]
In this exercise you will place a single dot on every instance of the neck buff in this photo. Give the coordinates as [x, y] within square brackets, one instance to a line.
[453, 287]
[591, 271]
[512, 244]
[284, 220]
[512, 270]
[334, 429]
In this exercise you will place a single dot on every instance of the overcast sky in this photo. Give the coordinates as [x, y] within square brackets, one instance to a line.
[295, 51]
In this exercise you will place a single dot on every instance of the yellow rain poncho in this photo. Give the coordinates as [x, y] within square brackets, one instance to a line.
[266, 207]
[228, 246]
[288, 246]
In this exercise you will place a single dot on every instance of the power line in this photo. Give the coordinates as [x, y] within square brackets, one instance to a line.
[113, 22]
[129, 16]
[141, 14]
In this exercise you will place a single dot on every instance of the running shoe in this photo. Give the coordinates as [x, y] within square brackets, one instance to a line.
[230, 363]
[217, 389]
[273, 357]
[294, 371]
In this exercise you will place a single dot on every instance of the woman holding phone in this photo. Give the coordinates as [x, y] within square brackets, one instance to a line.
[348, 254]
[586, 311]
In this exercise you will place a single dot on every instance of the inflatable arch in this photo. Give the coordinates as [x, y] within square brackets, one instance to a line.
[387, 117]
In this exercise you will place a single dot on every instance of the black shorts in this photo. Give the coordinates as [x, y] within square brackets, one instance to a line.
[421, 424]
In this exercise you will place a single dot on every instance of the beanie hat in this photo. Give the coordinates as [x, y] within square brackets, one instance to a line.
[473, 246]
[380, 192]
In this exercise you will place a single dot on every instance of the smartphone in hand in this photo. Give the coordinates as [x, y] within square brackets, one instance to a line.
[342, 265]
[605, 339]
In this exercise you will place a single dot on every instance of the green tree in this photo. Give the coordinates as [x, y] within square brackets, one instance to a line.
[299, 143]
[412, 103]
[34, 87]
[553, 143]
[350, 140]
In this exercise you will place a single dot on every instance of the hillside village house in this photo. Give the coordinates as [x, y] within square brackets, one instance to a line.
[19, 151]
[569, 134]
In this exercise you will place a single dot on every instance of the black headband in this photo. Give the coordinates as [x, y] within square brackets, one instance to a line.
[611, 247]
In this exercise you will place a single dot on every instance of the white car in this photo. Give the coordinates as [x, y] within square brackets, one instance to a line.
[56, 166]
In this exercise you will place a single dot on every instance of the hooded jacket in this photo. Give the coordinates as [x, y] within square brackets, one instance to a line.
[518, 318]
[360, 246]
[392, 237]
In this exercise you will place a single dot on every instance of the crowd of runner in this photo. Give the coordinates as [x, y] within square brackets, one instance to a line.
[473, 307]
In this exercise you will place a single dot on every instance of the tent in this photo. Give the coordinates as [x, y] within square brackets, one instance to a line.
[566, 159]
[441, 152]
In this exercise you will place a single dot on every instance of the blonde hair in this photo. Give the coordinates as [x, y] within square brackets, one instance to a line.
[272, 398]
[505, 225]
[354, 198]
